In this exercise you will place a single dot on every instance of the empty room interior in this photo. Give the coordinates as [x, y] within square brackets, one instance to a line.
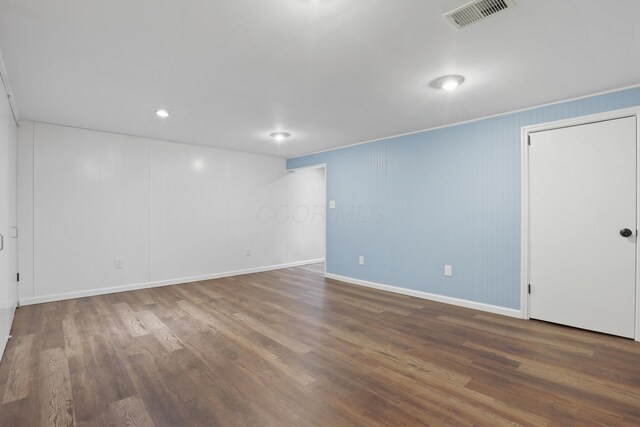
[319, 213]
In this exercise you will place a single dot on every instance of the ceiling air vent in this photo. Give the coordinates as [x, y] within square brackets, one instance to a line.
[477, 11]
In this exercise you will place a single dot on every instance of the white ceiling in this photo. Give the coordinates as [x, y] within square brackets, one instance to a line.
[331, 72]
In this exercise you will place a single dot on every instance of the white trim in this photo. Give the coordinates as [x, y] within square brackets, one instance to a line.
[464, 122]
[314, 166]
[524, 224]
[524, 203]
[4, 80]
[146, 285]
[3, 345]
[152, 139]
[511, 312]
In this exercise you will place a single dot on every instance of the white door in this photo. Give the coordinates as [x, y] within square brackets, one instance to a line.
[582, 226]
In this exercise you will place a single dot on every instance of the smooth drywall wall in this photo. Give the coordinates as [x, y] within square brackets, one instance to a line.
[8, 220]
[102, 212]
[412, 204]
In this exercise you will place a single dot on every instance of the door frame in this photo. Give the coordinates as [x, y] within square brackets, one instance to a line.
[524, 182]
[326, 205]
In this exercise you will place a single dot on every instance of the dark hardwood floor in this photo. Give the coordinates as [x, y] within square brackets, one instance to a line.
[289, 348]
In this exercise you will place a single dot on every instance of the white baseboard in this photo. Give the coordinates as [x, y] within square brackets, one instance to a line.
[4, 340]
[433, 297]
[3, 345]
[146, 285]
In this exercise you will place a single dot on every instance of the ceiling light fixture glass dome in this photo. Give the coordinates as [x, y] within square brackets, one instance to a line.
[280, 136]
[448, 82]
[162, 112]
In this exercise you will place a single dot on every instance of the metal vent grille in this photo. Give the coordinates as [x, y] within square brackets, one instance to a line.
[476, 11]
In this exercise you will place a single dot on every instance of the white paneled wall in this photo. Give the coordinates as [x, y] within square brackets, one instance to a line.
[190, 211]
[106, 212]
[91, 193]
[8, 244]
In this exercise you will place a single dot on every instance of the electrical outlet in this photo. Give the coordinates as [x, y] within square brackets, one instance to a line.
[118, 264]
[361, 260]
[249, 252]
[332, 204]
[448, 270]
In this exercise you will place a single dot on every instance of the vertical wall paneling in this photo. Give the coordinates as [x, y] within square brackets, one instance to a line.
[8, 219]
[447, 196]
[25, 209]
[189, 201]
[102, 212]
[90, 210]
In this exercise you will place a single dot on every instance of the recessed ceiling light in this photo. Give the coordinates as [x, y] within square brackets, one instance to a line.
[447, 82]
[162, 112]
[280, 136]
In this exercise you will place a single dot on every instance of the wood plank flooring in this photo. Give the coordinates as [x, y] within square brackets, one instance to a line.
[290, 348]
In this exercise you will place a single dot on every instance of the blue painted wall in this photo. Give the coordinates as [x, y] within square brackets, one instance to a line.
[412, 204]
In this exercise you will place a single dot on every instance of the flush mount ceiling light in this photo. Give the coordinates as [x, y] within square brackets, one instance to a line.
[162, 112]
[280, 136]
[447, 82]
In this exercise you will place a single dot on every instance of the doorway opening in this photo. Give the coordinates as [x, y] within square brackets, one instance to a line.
[309, 215]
